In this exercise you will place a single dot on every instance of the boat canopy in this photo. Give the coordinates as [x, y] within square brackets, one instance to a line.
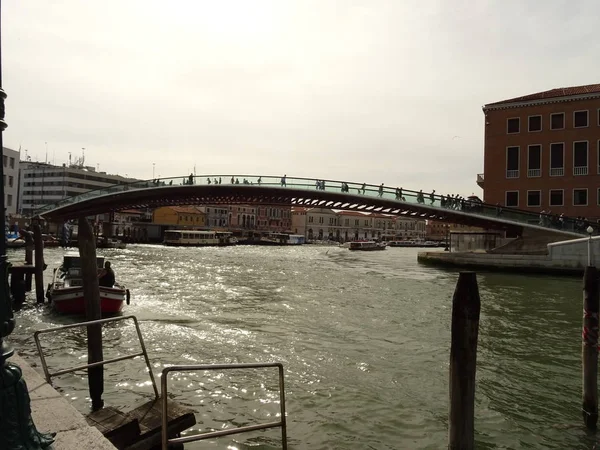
[74, 261]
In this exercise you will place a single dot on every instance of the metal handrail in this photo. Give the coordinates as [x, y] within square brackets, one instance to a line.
[143, 353]
[189, 368]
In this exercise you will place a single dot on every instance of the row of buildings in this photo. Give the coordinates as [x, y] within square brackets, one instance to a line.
[313, 223]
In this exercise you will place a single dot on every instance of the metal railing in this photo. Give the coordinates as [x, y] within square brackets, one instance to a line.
[580, 170]
[512, 173]
[143, 352]
[557, 171]
[165, 441]
[531, 173]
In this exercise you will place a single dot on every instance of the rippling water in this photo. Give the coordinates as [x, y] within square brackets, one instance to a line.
[364, 338]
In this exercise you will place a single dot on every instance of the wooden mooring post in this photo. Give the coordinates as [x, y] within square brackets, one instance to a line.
[589, 348]
[466, 306]
[29, 261]
[91, 292]
[39, 261]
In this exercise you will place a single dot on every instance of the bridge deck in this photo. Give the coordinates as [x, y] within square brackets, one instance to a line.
[253, 189]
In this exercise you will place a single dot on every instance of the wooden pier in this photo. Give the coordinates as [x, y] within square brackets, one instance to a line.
[21, 272]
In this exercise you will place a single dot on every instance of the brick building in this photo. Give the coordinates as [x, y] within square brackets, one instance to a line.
[542, 152]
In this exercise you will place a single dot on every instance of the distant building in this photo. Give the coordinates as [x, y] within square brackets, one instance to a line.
[325, 223]
[242, 217]
[41, 184]
[542, 152]
[274, 218]
[217, 216]
[11, 179]
[180, 216]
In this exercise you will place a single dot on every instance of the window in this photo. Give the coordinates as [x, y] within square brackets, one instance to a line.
[11, 180]
[535, 123]
[513, 125]
[12, 163]
[579, 197]
[556, 197]
[9, 200]
[512, 162]
[557, 159]
[5, 160]
[580, 119]
[534, 198]
[534, 161]
[512, 198]
[557, 121]
[580, 158]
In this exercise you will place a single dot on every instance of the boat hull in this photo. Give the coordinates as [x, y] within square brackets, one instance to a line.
[72, 300]
[367, 249]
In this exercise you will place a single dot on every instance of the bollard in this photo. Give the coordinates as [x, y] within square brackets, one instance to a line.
[91, 292]
[589, 348]
[463, 361]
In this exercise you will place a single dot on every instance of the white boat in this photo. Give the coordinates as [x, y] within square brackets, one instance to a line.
[66, 290]
[366, 246]
[194, 238]
[108, 242]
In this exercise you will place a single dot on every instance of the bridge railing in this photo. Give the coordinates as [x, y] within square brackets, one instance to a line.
[400, 194]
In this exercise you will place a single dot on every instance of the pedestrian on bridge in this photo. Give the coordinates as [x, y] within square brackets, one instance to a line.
[364, 188]
[232, 180]
[283, 183]
[432, 197]
[191, 179]
[208, 181]
[259, 180]
[381, 190]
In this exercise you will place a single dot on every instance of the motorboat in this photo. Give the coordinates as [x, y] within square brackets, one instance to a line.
[195, 238]
[66, 290]
[108, 242]
[366, 245]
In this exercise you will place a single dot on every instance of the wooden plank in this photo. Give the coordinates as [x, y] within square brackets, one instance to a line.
[19, 266]
[120, 429]
[149, 416]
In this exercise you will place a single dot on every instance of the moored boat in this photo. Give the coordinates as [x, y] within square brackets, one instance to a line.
[366, 246]
[108, 242]
[66, 290]
[194, 238]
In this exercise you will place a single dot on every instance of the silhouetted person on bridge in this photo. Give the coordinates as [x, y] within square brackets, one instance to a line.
[283, 180]
[232, 180]
[364, 188]
[191, 178]
[381, 190]
[259, 180]
[208, 181]
[219, 180]
[432, 197]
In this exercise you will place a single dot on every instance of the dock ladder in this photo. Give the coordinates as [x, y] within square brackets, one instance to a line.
[173, 418]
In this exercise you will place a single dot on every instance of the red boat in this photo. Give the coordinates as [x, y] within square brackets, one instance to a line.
[66, 290]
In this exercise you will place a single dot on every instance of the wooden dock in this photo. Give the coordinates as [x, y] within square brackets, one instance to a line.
[140, 429]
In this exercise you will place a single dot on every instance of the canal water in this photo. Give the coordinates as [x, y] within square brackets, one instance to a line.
[364, 338]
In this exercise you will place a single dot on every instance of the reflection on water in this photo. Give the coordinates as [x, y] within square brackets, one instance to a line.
[364, 339]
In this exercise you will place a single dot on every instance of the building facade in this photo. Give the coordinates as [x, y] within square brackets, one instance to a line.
[342, 226]
[242, 217]
[274, 218]
[217, 216]
[42, 184]
[542, 152]
[437, 230]
[180, 216]
[11, 179]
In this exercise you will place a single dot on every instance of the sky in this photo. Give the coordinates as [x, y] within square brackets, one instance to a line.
[366, 91]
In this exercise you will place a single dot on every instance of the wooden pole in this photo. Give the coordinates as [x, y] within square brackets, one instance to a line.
[463, 360]
[39, 261]
[589, 348]
[28, 260]
[91, 292]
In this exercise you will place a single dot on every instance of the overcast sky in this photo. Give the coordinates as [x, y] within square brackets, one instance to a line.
[374, 91]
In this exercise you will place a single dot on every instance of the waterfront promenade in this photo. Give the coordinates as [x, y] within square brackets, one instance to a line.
[52, 412]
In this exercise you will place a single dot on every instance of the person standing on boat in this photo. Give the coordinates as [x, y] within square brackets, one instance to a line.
[106, 277]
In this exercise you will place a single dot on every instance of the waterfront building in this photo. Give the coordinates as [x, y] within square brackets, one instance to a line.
[242, 217]
[41, 183]
[11, 180]
[180, 216]
[274, 218]
[324, 223]
[542, 152]
[217, 216]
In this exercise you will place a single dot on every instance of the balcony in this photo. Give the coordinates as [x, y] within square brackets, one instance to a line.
[580, 170]
[557, 171]
[512, 173]
[532, 173]
[480, 180]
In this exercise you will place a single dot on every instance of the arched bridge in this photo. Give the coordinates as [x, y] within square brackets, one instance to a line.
[306, 192]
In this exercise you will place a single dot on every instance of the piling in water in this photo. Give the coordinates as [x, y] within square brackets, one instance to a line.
[589, 348]
[463, 360]
[91, 292]
[39, 261]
